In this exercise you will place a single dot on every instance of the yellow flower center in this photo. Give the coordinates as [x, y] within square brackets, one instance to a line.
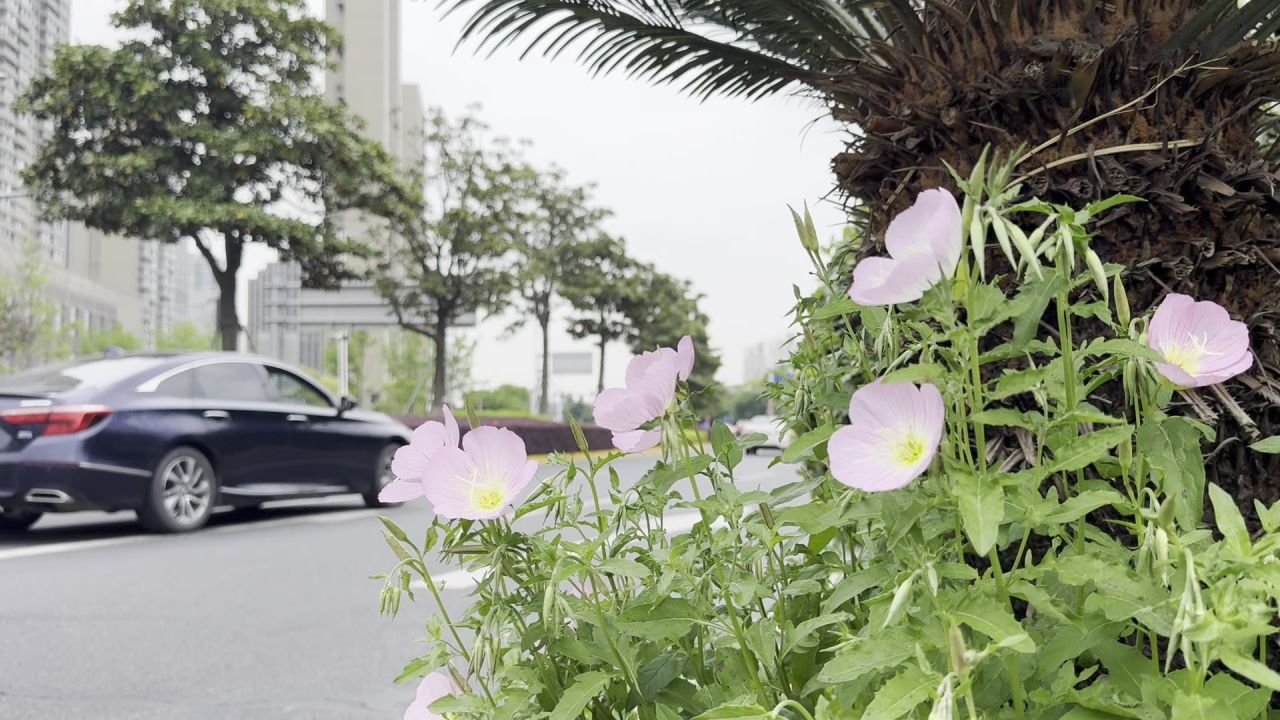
[909, 448]
[1188, 354]
[486, 498]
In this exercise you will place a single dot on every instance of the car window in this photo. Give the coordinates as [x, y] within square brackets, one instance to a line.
[286, 387]
[238, 381]
[182, 385]
[77, 375]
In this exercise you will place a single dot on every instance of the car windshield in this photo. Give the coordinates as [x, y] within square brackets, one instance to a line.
[75, 375]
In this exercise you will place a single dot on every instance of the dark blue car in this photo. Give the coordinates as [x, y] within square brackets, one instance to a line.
[171, 436]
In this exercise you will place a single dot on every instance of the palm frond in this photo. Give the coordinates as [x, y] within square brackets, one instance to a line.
[746, 47]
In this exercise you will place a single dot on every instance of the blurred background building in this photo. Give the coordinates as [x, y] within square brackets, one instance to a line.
[96, 282]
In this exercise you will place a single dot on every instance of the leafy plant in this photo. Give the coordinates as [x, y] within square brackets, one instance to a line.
[1061, 568]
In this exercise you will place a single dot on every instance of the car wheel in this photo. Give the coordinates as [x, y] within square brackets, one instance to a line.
[15, 521]
[382, 477]
[183, 491]
[752, 450]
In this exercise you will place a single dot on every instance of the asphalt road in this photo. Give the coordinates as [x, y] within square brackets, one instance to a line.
[267, 615]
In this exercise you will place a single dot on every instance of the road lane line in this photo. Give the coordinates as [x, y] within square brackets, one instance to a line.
[55, 548]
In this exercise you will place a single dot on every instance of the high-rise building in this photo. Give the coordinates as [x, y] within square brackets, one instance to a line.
[31, 32]
[293, 323]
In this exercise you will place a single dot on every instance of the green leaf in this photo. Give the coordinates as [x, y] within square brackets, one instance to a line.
[584, 689]
[902, 694]
[886, 650]
[1080, 505]
[655, 675]
[915, 374]
[1126, 666]
[1030, 304]
[736, 712]
[1172, 447]
[836, 308]
[806, 442]
[1199, 707]
[1269, 445]
[1087, 449]
[981, 502]
[1244, 701]
[1005, 417]
[1250, 669]
[625, 568]
[1230, 522]
[990, 618]
[1105, 204]
[667, 620]
[801, 636]
[853, 585]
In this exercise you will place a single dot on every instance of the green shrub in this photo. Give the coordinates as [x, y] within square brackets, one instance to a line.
[505, 397]
[1052, 561]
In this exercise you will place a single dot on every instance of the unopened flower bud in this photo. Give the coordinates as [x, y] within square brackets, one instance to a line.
[1165, 515]
[958, 651]
[1162, 545]
[1121, 301]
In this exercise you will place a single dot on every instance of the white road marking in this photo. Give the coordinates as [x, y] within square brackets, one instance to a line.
[55, 548]
[335, 516]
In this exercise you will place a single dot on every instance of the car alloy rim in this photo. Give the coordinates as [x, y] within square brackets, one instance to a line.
[187, 490]
[385, 475]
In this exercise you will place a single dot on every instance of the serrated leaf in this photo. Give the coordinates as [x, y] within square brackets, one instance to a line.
[988, 617]
[1080, 505]
[1087, 449]
[915, 374]
[887, 650]
[667, 620]
[800, 636]
[836, 308]
[902, 694]
[655, 675]
[1172, 448]
[578, 695]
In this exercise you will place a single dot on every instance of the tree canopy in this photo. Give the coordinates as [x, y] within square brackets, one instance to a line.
[207, 124]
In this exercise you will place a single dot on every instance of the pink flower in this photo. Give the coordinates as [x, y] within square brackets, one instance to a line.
[1200, 343]
[479, 481]
[432, 688]
[924, 244]
[891, 438]
[650, 390]
[410, 462]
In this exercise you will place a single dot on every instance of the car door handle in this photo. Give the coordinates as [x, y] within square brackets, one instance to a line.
[295, 417]
[217, 414]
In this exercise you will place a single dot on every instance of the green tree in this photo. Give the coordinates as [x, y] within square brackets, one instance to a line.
[550, 249]
[116, 338]
[185, 336]
[666, 310]
[208, 125]
[602, 291]
[456, 259]
[410, 359]
[28, 326]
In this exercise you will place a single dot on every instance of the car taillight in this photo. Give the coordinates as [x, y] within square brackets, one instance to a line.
[55, 420]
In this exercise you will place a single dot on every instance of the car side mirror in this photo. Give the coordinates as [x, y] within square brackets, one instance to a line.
[346, 404]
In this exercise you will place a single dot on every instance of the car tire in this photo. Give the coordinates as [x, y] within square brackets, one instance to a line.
[382, 476]
[17, 521]
[752, 450]
[182, 494]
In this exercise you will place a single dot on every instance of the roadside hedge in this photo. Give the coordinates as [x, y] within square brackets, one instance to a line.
[540, 436]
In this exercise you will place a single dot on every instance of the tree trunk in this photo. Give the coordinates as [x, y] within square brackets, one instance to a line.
[228, 319]
[544, 396]
[600, 381]
[440, 377]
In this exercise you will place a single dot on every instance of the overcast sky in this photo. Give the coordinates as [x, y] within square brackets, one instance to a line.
[699, 188]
